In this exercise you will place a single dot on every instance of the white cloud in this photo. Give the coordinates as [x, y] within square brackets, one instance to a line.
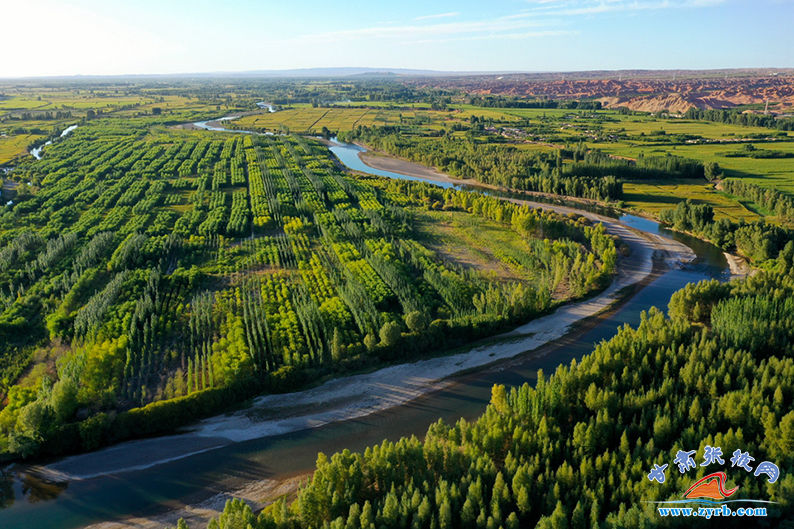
[440, 15]
[505, 36]
[545, 18]
[494, 27]
[592, 7]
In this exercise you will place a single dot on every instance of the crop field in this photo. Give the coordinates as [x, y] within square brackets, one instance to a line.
[21, 103]
[308, 119]
[84, 99]
[648, 126]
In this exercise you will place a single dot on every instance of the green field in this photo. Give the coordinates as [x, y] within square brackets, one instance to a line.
[305, 118]
[652, 197]
[14, 146]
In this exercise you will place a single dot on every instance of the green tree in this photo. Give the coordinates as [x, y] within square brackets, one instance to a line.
[390, 333]
[337, 348]
[63, 399]
[416, 321]
[370, 342]
[499, 398]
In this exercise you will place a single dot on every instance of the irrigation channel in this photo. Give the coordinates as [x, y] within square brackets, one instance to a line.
[147, 477]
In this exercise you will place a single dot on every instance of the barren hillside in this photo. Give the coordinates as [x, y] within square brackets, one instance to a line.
[648, 91]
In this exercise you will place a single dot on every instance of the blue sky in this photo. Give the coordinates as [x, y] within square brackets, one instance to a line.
[62, 37]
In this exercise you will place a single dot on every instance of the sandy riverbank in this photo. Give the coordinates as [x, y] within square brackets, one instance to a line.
[398, 165]
[738, 266]
[257, 494]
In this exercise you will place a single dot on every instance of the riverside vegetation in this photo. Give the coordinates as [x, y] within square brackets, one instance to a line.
[575, 450]
[150, 277]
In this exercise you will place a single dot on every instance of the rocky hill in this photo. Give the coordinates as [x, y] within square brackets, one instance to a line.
[639, 90]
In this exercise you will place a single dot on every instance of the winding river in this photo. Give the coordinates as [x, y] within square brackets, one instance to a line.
[37, 152]
[31, 502]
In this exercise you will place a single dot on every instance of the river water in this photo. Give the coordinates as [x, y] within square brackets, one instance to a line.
[31, 503]
[36, 153]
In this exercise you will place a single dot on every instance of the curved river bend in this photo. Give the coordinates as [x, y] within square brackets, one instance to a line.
[37, 151]
[32, 503]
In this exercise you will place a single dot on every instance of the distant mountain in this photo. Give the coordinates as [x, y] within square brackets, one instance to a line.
[342, 72]
[505, 75]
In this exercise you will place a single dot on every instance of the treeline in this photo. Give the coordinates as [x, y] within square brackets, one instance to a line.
[40, 115]
[593, 162]
[751, 151]
[771, 199]
[490, 163]
[737, 117]
[576, 450]
[507, 102]
[757, 241]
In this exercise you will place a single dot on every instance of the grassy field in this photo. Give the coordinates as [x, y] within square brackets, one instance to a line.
[776, 173]
[122, 101]
[647, 125]
[305, 118]
[23, 103]
[311, 119]
[477, 243]
[14, 146]
[653, 196]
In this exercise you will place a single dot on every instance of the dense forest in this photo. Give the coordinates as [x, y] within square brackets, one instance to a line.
[491, 101]
[596, 163]
[758, 241]
[150, 276]
[737, 117]
[575, 451]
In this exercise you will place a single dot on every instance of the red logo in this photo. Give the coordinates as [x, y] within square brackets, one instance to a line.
[711, 486]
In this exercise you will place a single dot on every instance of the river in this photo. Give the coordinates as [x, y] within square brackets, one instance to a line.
[32, 503]
[37, 152]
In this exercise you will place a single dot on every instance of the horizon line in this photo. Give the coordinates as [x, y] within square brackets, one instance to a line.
[401, 71]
